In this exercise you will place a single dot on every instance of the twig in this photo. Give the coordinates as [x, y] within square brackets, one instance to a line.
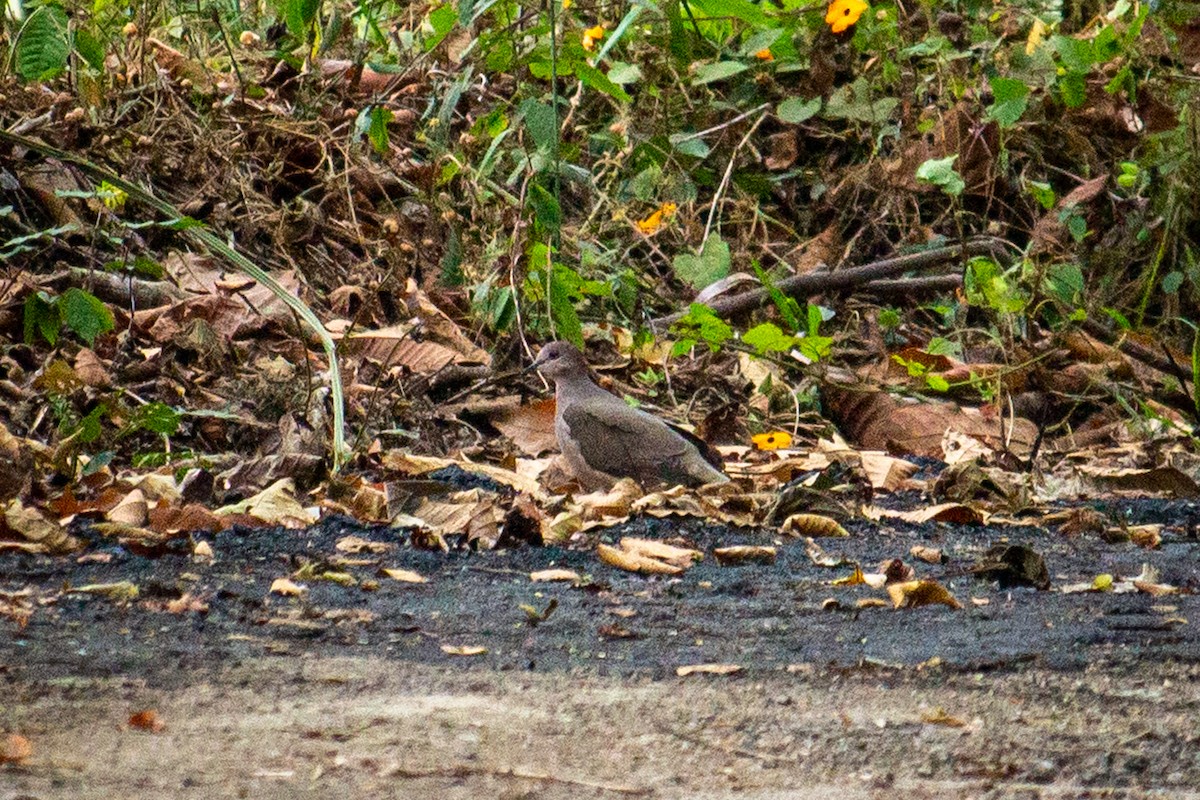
[712, 211]
[464, 771]
[722, 126]
[840, 279]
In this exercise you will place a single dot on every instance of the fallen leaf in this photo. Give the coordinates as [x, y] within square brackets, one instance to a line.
[463, 650]
[287, 587]
[634, 562]
[405, 576]
[914, 594]
[546, 575]
[14, 749]
[707, 669]
[147, 720]
[744, 554]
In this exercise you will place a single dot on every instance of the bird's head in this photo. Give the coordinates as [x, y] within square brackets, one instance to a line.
[560, 360]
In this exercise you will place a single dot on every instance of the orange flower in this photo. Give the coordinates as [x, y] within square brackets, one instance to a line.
[765, 55]
[844, 13]
[593, 35]
[653, 223]
[776, 440]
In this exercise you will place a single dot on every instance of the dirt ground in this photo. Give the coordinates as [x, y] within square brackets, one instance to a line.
[347, 691]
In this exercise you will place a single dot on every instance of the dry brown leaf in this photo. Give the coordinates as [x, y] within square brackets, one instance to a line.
[744, 554]
[91, 369]
[14, 749]
[546, 575]
[117, 591]
[530, 426]
[147, 720]
[938, 716]
[661, 551]
[870, 602]
[822, 559]
[405, 575]
[1168, 480]
[275, 505]
[633, 562]
[812, 525]
[203, 551]
[357, 544]
[287, 587]
[186, 602]
[1146, 536]
[913, 594]
[707, 669]
[41, 534]
[131, 510]
[930, 555]
[463, 649]
[944, 512]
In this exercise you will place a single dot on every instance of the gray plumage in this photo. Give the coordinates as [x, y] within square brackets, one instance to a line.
[604, 439]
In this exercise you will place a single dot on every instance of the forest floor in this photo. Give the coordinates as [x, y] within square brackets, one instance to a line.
[1021, 693]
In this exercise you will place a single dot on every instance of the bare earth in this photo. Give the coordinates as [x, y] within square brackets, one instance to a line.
[349, 691]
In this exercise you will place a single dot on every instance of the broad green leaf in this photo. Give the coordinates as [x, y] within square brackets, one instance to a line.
[595, 79]
[795, 110]
[377, 133]
[41, 316]
[690, 145]
[562, 306]
[85, 314]
[546, 211]
[541, 123]
[621, 73]
[1077, 55]
[441, 20]
[941, 172]
[1043, 193]
[154, 417]
[1073, 87]
[707, 73]
[91, 48]
[700, 324]
[737, 9]
[769, 338]
[1011, 97]
[299, 16]
[43, 47]
[709, 266]
[854, 103]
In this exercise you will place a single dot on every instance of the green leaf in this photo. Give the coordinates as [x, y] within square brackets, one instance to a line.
[622, 73]
[541, 123]
[795, 110]
[1011, 98]
[377, 132]
[941, 172]
[719, 71]
[1064, 282]
[1043, 193]
[815, 348]
[769, 338]
[701, 324]
[43, 48]
[1073, 88]
[85, 314]
[154, 417]
[562, 306]
[710, 266]
[300, 16]
[91, 48]
[743, 10]
[854, 103]
[1077, 55]
[442, 19]
[546, 211]
[595, 79]
[41, 316]
[690, 145]
[937, 383]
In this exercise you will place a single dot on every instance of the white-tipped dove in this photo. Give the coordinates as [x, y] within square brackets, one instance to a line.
[604, 439]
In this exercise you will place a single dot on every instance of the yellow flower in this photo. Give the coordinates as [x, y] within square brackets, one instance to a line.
[653, 223]
[591, 36]
[776, 440]
[764, 55]
[844, 13]
[567, 4]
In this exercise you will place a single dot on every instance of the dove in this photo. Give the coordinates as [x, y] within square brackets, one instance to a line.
[603, 439]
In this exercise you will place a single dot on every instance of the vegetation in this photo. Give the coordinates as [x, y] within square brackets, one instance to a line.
[535, 170]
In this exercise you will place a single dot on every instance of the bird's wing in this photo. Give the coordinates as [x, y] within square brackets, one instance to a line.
[621, 441]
